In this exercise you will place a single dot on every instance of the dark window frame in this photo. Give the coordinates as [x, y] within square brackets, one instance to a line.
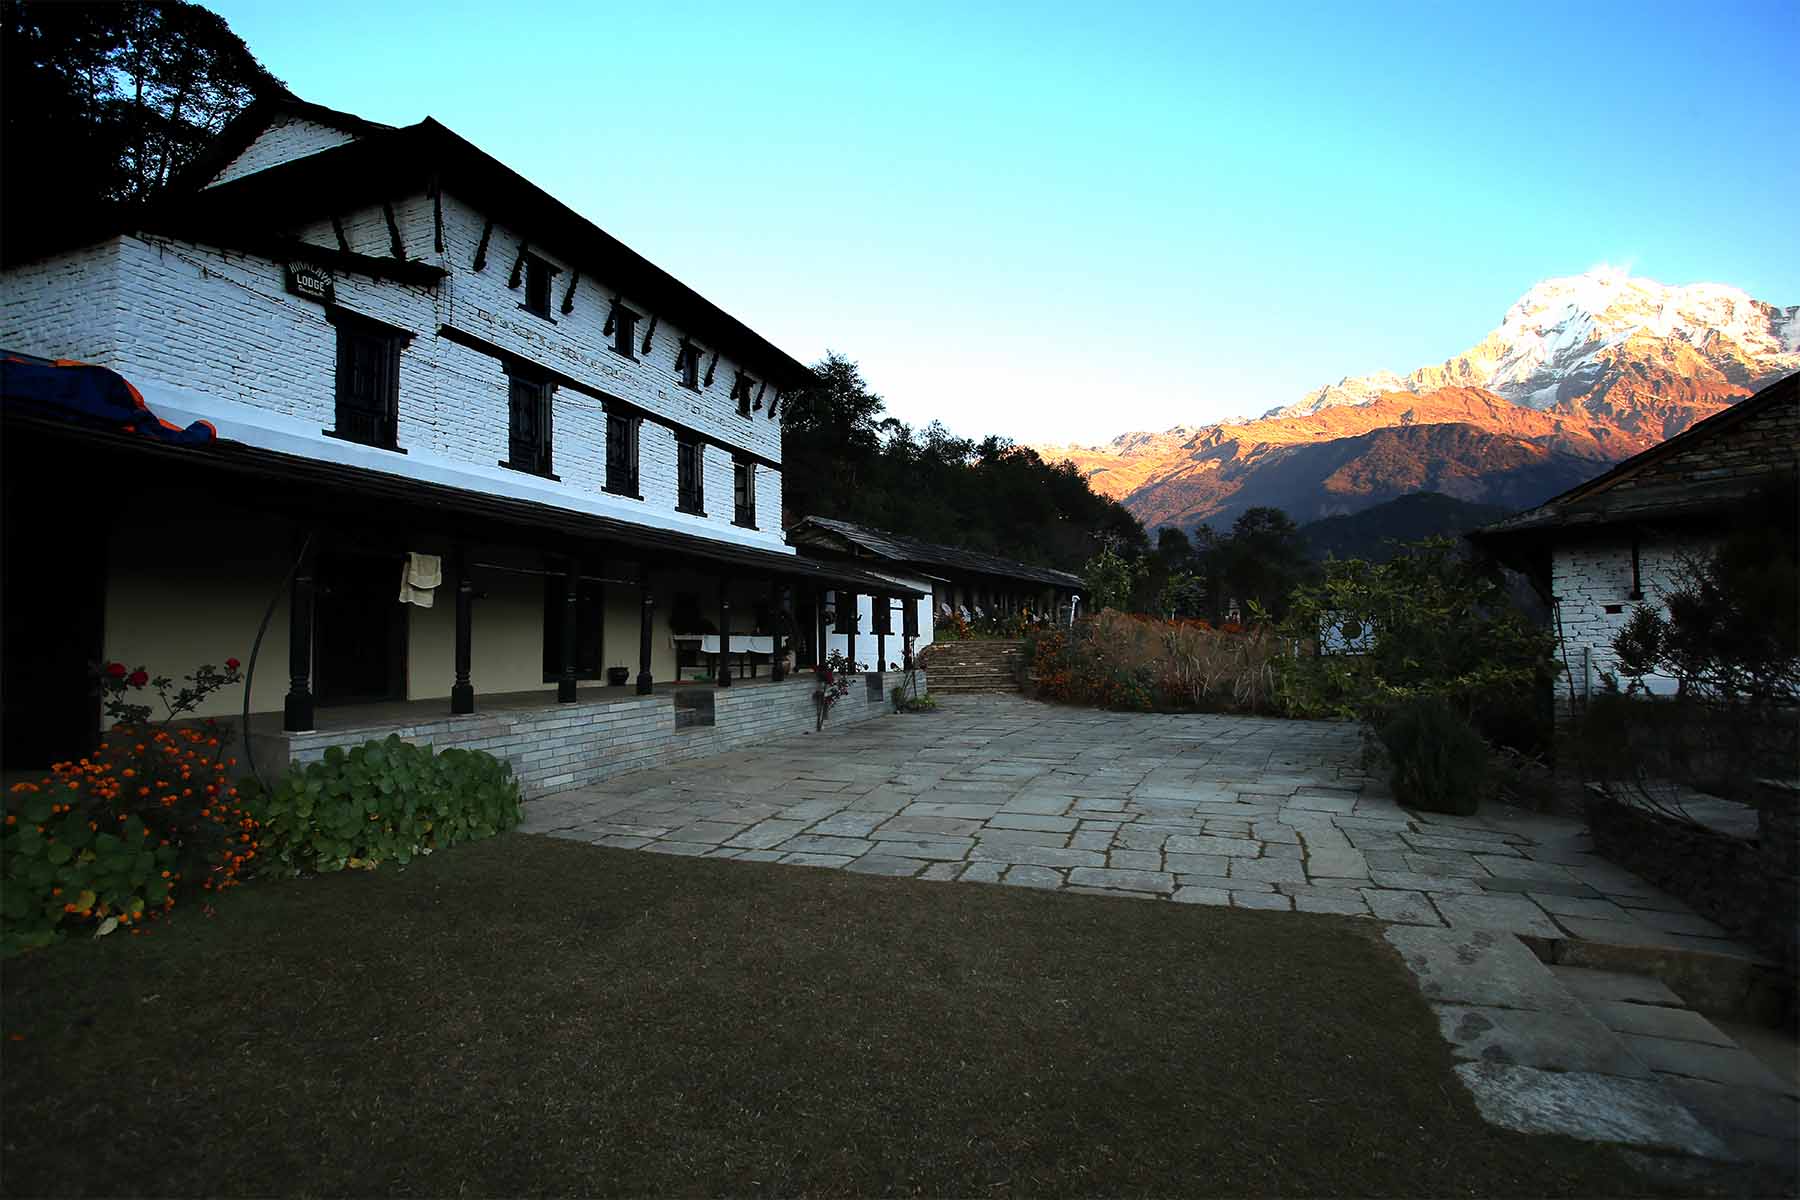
[378, 425]
[743, 489]
[622, 478]
[624, 341]
[520, 379]
[741, 391]
[688, 366]
[690, 476]
[540, 282]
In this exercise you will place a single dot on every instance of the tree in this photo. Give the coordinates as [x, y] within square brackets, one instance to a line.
[106, 103]
[1262, 560]
[846, 458]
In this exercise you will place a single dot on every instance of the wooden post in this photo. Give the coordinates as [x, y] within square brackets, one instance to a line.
[819, 645]
[297, 713]
[723, 668]
[565, 685]
[780, 617]
[462, 692]
[846, 623]
[646, 612]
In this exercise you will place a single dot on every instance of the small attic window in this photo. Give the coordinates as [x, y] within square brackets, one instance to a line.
[538, 274]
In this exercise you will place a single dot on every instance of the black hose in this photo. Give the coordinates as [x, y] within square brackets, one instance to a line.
[256, 648]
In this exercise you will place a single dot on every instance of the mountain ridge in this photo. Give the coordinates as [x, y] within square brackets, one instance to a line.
[1583, 371]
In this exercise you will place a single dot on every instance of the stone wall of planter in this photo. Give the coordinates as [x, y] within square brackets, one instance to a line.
[1749, 886]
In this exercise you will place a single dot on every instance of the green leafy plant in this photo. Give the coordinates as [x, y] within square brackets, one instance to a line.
[111, 840]
[1437, 762]
[384, 801]
[1110, 577]
[1429, 622]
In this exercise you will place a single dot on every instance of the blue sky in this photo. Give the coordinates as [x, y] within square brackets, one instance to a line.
[1061, 222]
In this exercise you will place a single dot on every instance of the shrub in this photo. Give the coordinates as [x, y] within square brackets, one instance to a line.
[1438, 762]
[1427, 623]
[831, 683]
[113, 839]
[383, 801]
[1140, 663]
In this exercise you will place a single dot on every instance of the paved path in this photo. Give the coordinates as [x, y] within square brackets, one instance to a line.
[1252, 813]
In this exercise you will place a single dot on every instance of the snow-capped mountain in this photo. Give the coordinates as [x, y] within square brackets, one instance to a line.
[1565, 336]
[1583, 371]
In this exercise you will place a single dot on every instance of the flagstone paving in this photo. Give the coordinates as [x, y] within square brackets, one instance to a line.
[1251, 813]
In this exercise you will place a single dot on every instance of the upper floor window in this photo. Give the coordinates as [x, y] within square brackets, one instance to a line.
[368, 381]
[743, 491]
[528, 421]
[621, 325]
[538, 275]
[622, 454]
[740, 391]
[690, 475]
[687, 365]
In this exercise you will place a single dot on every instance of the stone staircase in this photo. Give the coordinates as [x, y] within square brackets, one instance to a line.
[957, 668]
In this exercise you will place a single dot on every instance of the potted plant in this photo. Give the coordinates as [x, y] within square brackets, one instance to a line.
[618, 676]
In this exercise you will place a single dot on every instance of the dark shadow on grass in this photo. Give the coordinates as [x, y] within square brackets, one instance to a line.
[531, 1016]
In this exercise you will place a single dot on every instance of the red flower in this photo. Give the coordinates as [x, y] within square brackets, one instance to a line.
[231, 664]
[116, 670]
[139, 678]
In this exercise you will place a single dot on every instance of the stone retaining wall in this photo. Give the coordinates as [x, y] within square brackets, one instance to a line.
[1748, 886]
[565, 746]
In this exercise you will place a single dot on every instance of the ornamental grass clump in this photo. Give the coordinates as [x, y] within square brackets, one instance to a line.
[383, 801]
[114, 839]
[1135, 663]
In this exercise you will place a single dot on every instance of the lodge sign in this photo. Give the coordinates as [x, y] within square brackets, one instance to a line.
[311, 283]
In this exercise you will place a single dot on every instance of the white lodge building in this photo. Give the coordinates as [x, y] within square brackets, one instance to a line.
[419, 365]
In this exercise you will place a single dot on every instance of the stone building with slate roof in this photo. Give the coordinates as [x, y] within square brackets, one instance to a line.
[1599, 549]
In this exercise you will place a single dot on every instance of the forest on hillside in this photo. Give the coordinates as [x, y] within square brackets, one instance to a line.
[843, 456]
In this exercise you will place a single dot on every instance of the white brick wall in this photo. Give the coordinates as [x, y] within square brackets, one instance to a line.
[1588, 578]
[221, 325]
[285, 140]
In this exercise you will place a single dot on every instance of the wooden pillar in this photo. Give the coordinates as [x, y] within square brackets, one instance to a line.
[297, 712]
[646, 614]
[881, 612]
[723, 668]
[819, 654]
[565, 684]
[780, 618]
[846, 613]
[462, 692]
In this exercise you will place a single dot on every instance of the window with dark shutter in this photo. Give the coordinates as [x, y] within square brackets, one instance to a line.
[743, 487]
[622, 454]
[690, 495]
[537, 285]
[368, 382]
[687, 365]
[624, 331]
[528, 422]
[740, 391]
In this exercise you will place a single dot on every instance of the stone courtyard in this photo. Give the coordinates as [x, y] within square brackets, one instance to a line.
[1266, 814]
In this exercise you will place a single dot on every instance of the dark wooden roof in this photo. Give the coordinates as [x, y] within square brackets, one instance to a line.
[385, 163]
[826, 532]
[1601, 501]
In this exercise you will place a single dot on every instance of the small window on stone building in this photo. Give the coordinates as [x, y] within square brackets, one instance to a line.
[690, 462]
[743, 489]
[622, 454]
[538, 274]
[624, 331]
[368, 381]
[528, 421]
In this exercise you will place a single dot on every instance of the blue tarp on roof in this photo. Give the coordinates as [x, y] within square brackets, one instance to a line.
[86, 394]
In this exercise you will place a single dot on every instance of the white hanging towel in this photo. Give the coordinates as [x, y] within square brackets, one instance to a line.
[419, 577]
